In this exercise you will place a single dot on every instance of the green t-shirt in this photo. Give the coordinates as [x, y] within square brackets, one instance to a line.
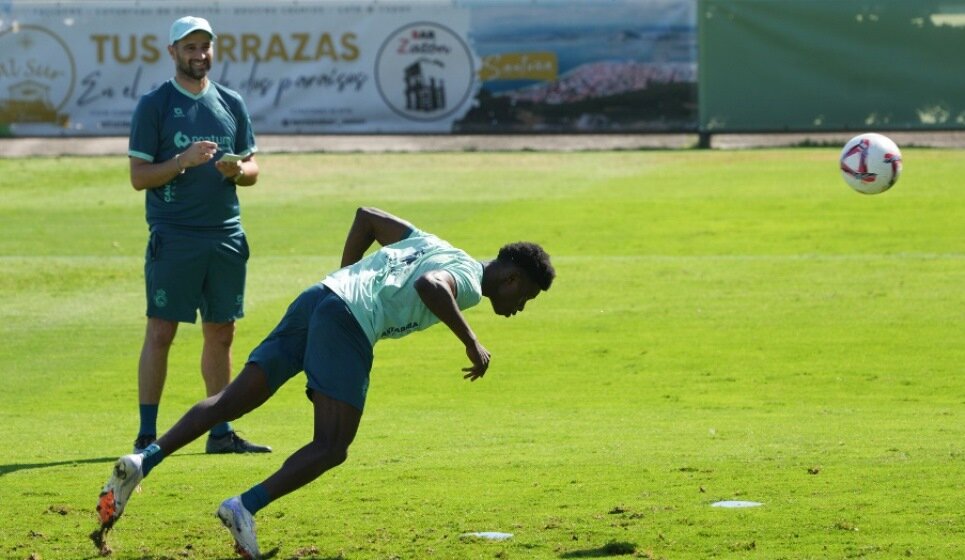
[380, 289]
[165, 122]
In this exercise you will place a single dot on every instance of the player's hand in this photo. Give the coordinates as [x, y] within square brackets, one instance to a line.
[198, 153]
[479, 357]
[229, 169]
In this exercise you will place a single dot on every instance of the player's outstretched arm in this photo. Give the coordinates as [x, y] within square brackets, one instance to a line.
[437, 289]
[370, 225]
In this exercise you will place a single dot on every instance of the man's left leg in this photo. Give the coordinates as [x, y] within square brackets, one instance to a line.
[336, 424]
[216, 370]
[222, 302]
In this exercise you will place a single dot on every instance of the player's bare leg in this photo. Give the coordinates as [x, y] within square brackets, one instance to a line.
[336, 424]
[248, 391]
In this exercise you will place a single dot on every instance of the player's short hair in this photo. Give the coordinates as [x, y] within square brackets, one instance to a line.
[532, 259]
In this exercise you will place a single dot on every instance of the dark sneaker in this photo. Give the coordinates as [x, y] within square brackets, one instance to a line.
[233, 443]
[142, 441]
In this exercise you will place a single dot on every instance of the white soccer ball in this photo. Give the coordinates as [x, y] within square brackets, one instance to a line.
[870, 163]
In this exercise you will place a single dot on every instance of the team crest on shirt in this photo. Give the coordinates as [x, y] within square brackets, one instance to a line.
[181, 140]
[178, 113]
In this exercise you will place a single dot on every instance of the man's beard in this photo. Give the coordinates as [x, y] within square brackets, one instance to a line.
[195, 73]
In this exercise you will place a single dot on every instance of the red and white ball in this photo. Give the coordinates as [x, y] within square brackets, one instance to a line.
[870, 163]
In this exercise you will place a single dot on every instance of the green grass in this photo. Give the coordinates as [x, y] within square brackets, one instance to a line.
[725, 325]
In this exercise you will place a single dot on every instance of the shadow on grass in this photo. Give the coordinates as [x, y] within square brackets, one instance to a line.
[14, 467]
[265, 556]
[605, 551]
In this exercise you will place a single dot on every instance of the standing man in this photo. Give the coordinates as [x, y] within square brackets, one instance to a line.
[197, 251]
[413, 282]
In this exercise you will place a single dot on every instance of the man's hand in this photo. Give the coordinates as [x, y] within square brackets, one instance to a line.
[198, 153]
[437, 289]
[230, 169]
[479, 357]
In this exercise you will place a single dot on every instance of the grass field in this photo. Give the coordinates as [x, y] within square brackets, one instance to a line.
[724, 326]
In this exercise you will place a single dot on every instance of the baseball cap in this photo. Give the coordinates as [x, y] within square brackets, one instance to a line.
[187, 25]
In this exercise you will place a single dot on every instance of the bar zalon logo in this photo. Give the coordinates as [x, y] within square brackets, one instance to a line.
[424, 71]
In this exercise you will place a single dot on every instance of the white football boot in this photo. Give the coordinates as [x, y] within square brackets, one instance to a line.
[241, 523]
[117, 491]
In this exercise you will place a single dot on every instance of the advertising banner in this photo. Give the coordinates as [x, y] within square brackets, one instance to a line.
[830, 65]
[311, 67]
[584, 66]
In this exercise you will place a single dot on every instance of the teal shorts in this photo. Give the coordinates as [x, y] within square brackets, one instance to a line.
[186, 272]
[320, 336]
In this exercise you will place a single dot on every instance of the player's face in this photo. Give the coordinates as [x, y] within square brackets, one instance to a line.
[513, 293]
[192, 55]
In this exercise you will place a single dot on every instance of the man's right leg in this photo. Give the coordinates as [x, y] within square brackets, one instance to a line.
[248, 391]
[152, 371]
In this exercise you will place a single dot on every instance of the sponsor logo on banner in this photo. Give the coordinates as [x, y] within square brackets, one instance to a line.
[37, 76]
[406, 66]
[424, 71]
[520, 66]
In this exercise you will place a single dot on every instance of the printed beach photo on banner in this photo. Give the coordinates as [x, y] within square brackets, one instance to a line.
[616, 67]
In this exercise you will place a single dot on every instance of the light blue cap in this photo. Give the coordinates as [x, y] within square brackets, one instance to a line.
[187, 25]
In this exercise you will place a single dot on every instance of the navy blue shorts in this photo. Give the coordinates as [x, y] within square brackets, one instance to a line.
[318, 335]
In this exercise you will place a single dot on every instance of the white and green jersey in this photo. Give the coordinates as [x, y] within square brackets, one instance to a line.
[167, 121]
[380, 289]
